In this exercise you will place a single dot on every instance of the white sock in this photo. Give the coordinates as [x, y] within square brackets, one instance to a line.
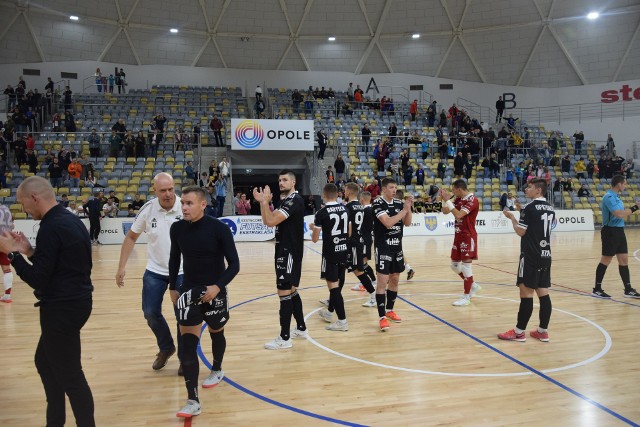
[542, 331]
[518, 331]
[408, 266]
[8, 280]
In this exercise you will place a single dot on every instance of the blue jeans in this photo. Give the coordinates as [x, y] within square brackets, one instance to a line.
[74, 182]
[221, 200]
[154, 286]
[56, 182]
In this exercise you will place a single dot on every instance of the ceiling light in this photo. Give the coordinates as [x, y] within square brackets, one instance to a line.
[593, 15]
[331, 38]
[73, 18]
[174, 30]
[415, 36]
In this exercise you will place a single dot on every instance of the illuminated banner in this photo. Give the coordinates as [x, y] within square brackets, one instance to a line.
[289, 135]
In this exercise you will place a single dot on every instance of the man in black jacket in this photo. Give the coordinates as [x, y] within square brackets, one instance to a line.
[60, 274]
[499, 109]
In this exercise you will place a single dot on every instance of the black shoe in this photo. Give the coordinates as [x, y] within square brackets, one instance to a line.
[180, 373]
[631, 293]
[161, 359]
[410, 274]
[599, 293]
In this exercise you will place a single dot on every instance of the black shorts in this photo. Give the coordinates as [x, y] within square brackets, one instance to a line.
[355, 257]
[215, 313]
[534, 275]
[367, 249]
[287, 271]
[614, 241]
[332, 271]
[389, 263]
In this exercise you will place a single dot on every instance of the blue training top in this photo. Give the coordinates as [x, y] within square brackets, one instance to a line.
[611, 202]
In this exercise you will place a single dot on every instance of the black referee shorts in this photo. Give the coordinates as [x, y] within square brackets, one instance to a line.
[534, 274]
[614, 241]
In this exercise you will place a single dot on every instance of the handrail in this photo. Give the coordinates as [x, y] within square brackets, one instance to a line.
[404, 94]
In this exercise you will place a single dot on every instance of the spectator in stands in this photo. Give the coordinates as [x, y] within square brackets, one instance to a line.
[32, 161]
[584, 191]
[310, 205]
[11, 95]
[486, 165]
[373, 188]
[358, 96]
[137, 203]
[308, 103]
[394, 170]
[20, 149]
[495, 167]
[546, 175]
[94, 143]
[366, 137]
[191, 173]
[221, 193]
[69, 122]
[243, 207]
[458, 165]
[393, 132]
[3, 171]
[110, 209]
[553, 144]
[350, 92]
[159, 120]
[120, 128]
[140, 143]
[55, 173]
[296, 99]
[224, 167]
[196, 134]
[112, 194]
[413, 110]
[322, 143]
[258, 93]
[154, 141]
[68, 104]
[511, 122]
[129, 144]
[408, 174]
[331, 178]
[216, 126]
[121, 80]
[565, 164]
[73, 208]
[580, 168]
[259, 109]
[115, 143]
[431, 114]
[420, 175]
[90, 180]
[112, 81]
[499, 109]
[468, 166]
[442, 168]
[75, 172]
[611, 146]
[591, 168]
[578, 138]
[628, 169]
[64, 201]
[213, 170]
[340, 167]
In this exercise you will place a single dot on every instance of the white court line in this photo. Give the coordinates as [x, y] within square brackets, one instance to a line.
[635, 254]
[592, 359]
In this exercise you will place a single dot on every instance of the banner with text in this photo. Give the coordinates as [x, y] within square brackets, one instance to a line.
[290, 135]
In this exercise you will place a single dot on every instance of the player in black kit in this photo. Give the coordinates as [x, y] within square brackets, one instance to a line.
[391, 216]
[366, 231]
[333, 221]
[534, 268]
[204, 243]
[289, 222]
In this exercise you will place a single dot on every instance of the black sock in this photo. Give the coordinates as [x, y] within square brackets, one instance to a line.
[626, 277]
[391, 299]
[370, 272]
[524, 314]
[286, 310]
[218, 346]
[600, 270]
[190, 365]
[335, 296]
[545, 311]
[380, 303]
[330, 307]
[297, 311]
[366, 282]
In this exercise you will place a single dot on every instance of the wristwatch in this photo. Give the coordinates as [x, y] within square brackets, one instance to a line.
[12, 255]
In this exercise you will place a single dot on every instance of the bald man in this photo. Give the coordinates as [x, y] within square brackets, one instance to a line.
[60, 274]
[155, 218]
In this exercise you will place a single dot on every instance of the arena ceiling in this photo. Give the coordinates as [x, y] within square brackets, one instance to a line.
[539, 43]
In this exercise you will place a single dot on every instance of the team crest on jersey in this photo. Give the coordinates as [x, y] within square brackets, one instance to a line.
[154, 223]
[431, 222]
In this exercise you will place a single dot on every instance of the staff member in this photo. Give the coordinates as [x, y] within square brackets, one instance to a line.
[60, 274]
[614, 241]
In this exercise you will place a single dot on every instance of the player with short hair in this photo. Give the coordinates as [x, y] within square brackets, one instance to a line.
[366, 231]
[333, 221]
[203, 243]
[465, 243]
[6, 225]
[289, 222]
[534, 268]
[391, 216]
[614, 241]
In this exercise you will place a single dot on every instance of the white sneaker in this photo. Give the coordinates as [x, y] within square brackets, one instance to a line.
[358, 287]
[462, 302]
[213, 379]
[371, 302]
[189, 410]
[338, 325]
[324, 302]
[326, 315]
[278, 344]
[298, 334]
[5, 298]
[475, 288]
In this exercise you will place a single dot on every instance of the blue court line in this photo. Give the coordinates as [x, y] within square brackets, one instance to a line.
[262, 397]
[524, 365]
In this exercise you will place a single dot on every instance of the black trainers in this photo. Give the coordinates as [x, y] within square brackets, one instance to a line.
[631, 293]
[599, 293]
[410, 274]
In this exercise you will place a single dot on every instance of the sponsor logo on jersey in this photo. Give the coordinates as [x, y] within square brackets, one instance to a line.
[393, 242]
[431, 222]
[544, 243]
[154, 223]
[545, 253]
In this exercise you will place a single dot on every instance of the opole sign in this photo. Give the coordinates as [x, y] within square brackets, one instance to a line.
[248, 134]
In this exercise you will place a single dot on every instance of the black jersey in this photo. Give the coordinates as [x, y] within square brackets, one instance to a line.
[334, 221]
[537, 218]
[387, 240]
[356, 218]
[290, 232]
[204, 246]
[366, 230]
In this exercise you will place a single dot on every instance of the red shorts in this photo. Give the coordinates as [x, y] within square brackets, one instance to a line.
[4, 260]
[465, 246]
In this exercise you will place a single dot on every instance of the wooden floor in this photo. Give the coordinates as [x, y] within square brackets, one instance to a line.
[442, 365]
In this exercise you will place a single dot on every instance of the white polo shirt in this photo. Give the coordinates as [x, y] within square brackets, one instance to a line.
[156, 222]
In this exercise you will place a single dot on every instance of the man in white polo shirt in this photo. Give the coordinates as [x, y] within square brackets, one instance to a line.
[155, 218]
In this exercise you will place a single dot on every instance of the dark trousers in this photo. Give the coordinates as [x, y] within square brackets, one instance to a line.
[499, 115]
[94, 227]
[321, 148]
[58, 362]
[218, 136]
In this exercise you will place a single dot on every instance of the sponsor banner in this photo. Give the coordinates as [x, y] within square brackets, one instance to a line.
[246, 228]
[487, 222]
[248, 134]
